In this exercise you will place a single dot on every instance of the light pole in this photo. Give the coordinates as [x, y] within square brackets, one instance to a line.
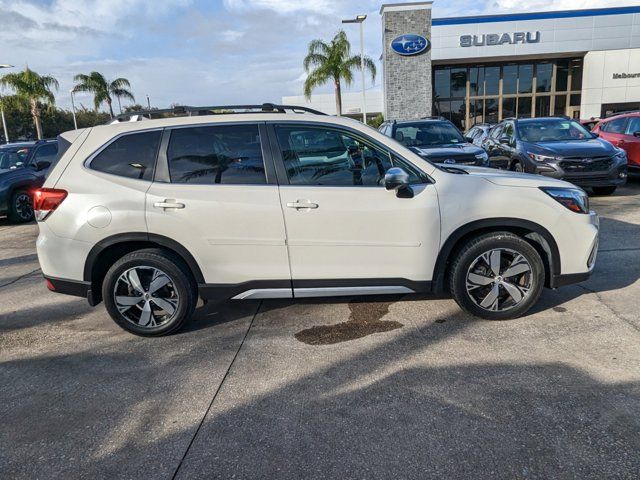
[148, 103]
[360, 20]
[73, 110]
[4, 121]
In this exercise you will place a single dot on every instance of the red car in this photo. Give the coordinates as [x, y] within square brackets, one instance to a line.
[623, 131]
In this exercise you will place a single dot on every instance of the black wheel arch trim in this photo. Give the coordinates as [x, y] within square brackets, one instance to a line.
[160, 240]
[440, 269]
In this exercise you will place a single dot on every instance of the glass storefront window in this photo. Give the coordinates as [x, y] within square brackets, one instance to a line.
[459, 82]
[492, 80]
[476, 112]
[491, 110]
[524, 107]
[442, 83]
[544, 72]
[543, 106]
[458, 113]
[508, 107]
[525, 78]
[561, 105]
[562, 75]
[476, 81]
[509, 79]
[576, 74]
[575, 100]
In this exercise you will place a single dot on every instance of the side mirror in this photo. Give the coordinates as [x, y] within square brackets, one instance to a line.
[505, 140]
[397, 179]
[595, 134]
[468, 139]
[42, 165]
[636, 134]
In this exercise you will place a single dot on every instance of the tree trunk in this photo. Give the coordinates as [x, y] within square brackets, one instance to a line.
[36, 111]
[110, 107]
[336, 83]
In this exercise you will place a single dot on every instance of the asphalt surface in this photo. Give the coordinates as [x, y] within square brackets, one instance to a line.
[394, 387]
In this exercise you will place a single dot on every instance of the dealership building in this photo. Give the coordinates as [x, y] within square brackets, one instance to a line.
[580, 63]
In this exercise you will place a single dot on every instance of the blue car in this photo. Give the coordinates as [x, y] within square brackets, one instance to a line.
[23, 168]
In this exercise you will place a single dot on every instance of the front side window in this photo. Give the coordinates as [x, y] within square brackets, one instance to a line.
[132, 156]
[496, 131]
[331, 157]
[46, 153]
[615, 126]
[223, 154]
[508, 131]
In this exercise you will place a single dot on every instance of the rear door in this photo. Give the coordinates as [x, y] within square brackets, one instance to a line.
[346, 233]
[215, 193]
[614, 131]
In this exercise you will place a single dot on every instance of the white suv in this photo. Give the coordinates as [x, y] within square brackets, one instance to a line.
[275, 203]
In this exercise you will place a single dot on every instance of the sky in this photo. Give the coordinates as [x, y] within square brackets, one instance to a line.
[199, 52]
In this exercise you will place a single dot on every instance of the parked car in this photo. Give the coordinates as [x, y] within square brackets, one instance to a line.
[23, 167]
[623, 131]
[478, 133]
[589, 124]
[272, 205]
[560, 148]
[436, 139]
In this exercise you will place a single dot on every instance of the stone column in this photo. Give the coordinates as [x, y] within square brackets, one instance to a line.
[407, 79]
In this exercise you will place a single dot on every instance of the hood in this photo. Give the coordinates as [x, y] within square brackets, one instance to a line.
[448, 151]
[573, 148]
[514, 179]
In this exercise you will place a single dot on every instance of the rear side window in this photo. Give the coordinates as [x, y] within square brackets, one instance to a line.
[131, 156]
[615, 126]
[226, 154]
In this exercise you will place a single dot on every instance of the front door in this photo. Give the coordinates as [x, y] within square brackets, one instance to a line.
[346, 233]
[213, 196]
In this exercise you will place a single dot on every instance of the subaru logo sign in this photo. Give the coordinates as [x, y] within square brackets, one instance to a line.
[449, 161]
[409, 44]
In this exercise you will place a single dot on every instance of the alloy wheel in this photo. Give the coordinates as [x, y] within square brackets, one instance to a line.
[499, 279]
[146, 296]
[23, 206]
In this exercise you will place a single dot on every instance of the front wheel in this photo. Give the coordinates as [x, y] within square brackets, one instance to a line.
[604, 190]
[497, 276]
[149, 292]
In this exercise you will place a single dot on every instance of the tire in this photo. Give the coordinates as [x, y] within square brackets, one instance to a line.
[604, 190]
[21, 207]
[475, 294]
[517, 167]
[162, 308]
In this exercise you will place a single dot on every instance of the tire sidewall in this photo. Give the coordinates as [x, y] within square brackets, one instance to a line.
[181, 280]
[481, 245]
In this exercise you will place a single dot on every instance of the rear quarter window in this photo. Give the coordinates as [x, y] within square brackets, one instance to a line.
[132, 155]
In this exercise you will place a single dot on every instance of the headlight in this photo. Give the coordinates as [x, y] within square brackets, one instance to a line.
[541, 158]
[574, 199]
[620, 155]
[482, 156]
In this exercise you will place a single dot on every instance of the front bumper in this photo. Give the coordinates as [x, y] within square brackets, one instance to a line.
[614, 176]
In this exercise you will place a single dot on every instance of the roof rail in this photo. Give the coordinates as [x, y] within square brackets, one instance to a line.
[433, 117]
[182, 110]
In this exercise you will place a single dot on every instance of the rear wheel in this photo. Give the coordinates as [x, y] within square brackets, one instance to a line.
[149, 292]
[517, 167]
[21, 207]
[604, 190]
[497, 276]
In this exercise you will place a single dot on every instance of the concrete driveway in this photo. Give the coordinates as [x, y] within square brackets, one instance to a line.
[396, 387]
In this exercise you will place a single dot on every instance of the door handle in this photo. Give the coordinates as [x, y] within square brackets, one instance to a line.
[300, 204]
[168, 203]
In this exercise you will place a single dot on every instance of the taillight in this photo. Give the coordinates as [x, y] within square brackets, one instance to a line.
[46, 200]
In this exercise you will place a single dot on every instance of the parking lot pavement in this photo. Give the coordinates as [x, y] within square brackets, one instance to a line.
[395, 387]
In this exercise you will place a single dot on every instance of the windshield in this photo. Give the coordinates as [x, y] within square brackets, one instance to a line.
[552, 130]
[427, 134]
[11, 158]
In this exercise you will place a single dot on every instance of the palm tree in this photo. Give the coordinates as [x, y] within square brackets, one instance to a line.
[103, 90]
[34, 89]
[333, 62]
